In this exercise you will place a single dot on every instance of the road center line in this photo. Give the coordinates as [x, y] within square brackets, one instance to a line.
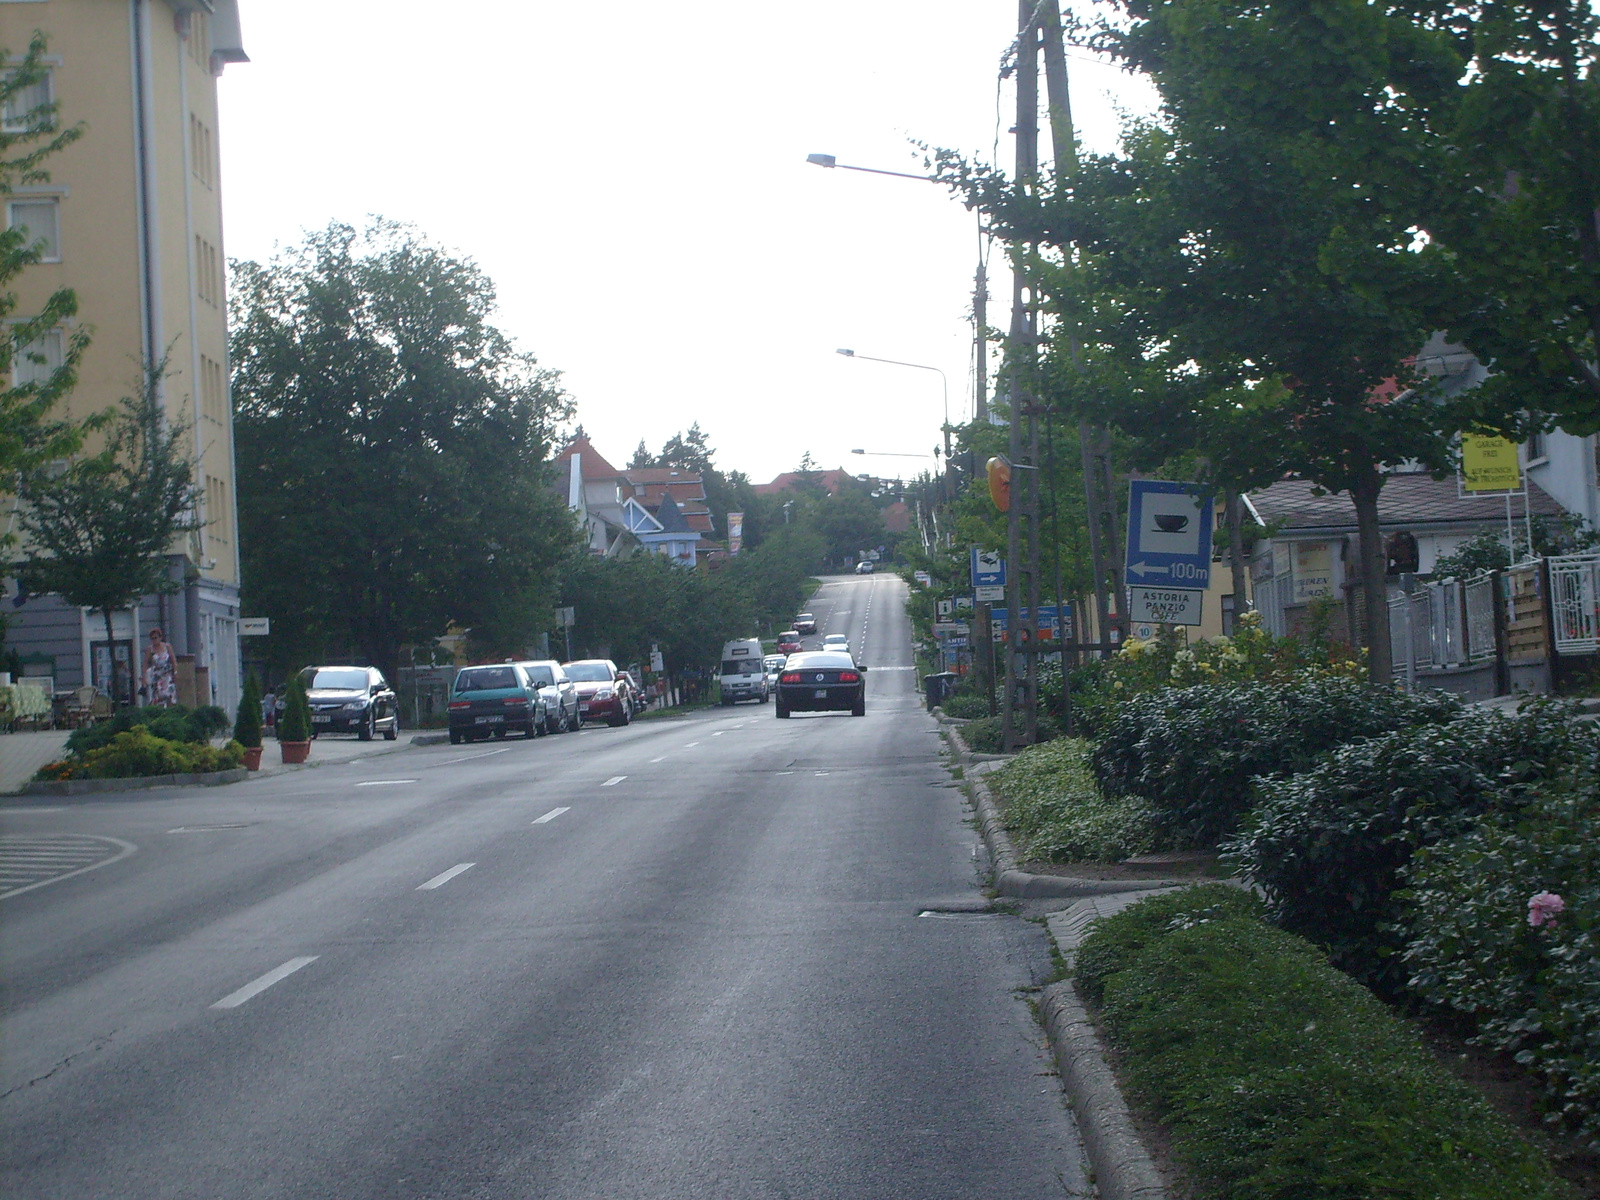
[383, 782]
[613, 781]
[444, 877]
[551, 815]
[663, 758]
[690, 745]
[256, 986]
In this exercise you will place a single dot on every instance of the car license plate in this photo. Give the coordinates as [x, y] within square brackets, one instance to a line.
[583, 708]
[820, 694]
[316, 720]
[496, 719]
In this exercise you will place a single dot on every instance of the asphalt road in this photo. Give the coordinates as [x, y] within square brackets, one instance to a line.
[690, 958]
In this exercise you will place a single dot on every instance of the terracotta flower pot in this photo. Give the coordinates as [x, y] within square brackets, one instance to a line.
[294, 752]
[252, 758]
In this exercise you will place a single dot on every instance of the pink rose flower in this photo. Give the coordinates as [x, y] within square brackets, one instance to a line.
[1544, 908]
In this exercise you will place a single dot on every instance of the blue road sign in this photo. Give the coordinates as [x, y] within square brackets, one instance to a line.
[1169, 534]
[988, 568]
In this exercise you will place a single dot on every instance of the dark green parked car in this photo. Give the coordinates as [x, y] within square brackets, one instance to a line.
[487, 701]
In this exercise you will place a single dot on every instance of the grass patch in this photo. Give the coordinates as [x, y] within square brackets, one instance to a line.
[1278, 1076]
[1055, 811]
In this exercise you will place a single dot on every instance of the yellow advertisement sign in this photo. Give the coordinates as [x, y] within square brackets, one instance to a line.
[1489, 464]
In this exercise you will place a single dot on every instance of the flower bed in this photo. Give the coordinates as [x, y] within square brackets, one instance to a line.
[136, 753]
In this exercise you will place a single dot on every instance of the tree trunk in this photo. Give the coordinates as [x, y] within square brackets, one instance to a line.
[111, 650]
[1234, 515]
[1374, 590]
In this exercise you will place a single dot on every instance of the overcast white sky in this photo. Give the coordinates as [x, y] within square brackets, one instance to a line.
[633, 178]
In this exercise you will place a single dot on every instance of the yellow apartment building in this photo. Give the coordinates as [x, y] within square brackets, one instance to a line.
[132, 217]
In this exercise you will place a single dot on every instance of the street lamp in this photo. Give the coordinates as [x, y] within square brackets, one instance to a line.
[944, 383]
[827, 160]
[892, 454]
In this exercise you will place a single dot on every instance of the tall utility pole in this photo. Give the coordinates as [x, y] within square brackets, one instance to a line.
[981, 637]
[1022, 518]
[1095, 443]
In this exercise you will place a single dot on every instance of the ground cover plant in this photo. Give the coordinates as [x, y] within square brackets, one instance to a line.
[1329, 846]
[1278, 1076]
[1503, 930]
[1054, 810]
[1194, 751]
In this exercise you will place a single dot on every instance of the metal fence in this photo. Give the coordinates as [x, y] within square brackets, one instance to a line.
[1445, 624]
[1271, 598]
[1575, 603]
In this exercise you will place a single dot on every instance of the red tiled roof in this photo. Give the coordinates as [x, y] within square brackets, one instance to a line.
[897, 517]
[593, 464]
[832, 481]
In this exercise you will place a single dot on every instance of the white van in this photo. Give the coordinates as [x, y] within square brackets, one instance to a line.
[742, 676]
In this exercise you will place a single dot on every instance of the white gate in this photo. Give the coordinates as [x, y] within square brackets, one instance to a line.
[1575, 602]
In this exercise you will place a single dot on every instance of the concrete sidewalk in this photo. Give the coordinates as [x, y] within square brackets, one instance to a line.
[21, 754]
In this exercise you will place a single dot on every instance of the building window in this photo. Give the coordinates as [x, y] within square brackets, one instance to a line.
[42, 221]
[217, 510]
[21, 111]
[202, 151]
[39, 360]
[213, 392]
[200, 39]
[1534, 448]
[207, 271]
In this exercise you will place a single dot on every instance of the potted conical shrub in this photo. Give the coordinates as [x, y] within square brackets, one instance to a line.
[294, 726]
[247, 723]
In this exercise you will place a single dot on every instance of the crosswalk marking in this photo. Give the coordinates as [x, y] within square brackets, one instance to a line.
[29, 861]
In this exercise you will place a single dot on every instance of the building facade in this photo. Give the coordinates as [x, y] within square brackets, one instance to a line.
[132, 214]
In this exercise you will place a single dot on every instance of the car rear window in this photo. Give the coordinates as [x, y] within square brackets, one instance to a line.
[483, 679]
[339, 677]
[589, 672]
[543, 676]
[826, 660]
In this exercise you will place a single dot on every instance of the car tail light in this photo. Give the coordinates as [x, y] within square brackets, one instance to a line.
[458, 705]
[849, 677]
[789, 677]
[515, 700]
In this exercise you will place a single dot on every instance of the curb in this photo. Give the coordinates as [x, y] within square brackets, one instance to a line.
[1010, 879]
[1123, 1170]
[81, 787]
[429, 739]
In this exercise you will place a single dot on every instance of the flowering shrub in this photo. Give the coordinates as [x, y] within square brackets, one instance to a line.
[1252, 655]
[1329, 846]
[136, 752]
[1193, 751]
[1524, 969]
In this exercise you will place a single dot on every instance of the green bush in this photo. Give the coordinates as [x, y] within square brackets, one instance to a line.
[1054, 810]
[1118, 939]
[1280, 1078]
[247, 724]
[174, 723]
[1531, 991]
[1193, 751]
[136, 753]
[294, 723]
[982, 736]
[966, 704]
[1328, 846]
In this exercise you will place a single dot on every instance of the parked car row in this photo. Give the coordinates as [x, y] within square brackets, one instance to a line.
[539, 697]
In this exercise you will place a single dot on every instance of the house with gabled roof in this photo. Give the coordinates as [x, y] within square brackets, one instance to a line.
[659, 509]
[596, 494]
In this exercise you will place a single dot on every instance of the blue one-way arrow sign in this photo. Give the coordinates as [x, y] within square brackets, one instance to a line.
[1169, 533]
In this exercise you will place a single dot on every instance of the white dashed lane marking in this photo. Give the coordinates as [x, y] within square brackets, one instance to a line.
[444, 877]
[550, 816]
[383, 782]
[256, 986]
[613, 781]
[29, 861]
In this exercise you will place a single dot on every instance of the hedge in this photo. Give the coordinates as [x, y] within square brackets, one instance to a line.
[1193, 752]
[1277, 1076]
[172, 723]
[136, 753]
[1328, 845]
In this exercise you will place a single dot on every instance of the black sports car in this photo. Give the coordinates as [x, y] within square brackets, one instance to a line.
[822, 681]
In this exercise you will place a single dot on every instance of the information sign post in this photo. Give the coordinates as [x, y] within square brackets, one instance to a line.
[1169, 551]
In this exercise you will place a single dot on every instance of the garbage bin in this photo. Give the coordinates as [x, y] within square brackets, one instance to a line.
[938, 686]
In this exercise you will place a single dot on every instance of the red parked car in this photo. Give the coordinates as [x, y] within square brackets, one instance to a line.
[603, 691]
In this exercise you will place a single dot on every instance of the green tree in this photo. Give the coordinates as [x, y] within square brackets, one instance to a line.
[98, 528]
[393, 450]
[38, 355]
